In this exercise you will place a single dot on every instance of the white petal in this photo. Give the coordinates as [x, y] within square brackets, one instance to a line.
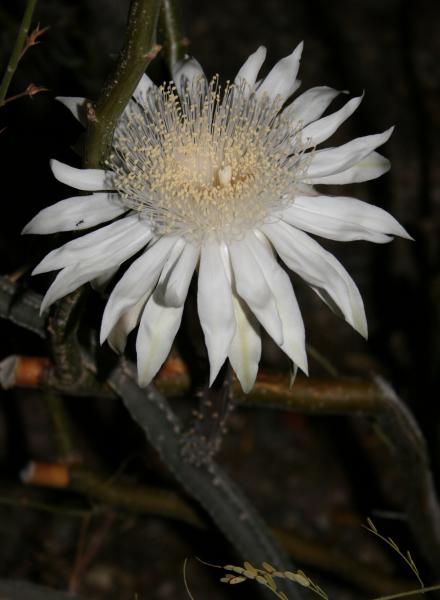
[245, 349]
[68, 280]
[334, 160]
[186, 73]
[253, 288]
[76, 105]
[80, 212]
[176, 276]
[249, 70]
[369, 168]
[214, 302]
[310, 105]
[117, 338]
[343, 219]
[293, 327]
[321, 270]
[76, 274]
[101, 282]
[281, 80]
[89, 180]
[321, 130]
[124, 237]
[142, 88]
[139, 280]
[157, 330]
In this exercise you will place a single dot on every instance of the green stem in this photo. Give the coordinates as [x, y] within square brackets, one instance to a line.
[134, 498]
[138, 50]
[171, 25]
[418, 592]
[17, 50]
[61, 425]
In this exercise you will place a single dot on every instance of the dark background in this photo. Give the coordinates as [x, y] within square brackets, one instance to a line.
[390, 48]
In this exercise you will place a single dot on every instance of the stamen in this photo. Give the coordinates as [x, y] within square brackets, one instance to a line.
[208, 163]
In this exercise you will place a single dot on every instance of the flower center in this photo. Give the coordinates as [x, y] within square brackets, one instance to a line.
[209, 163]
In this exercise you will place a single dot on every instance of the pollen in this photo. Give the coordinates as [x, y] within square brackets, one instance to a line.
[211, 162]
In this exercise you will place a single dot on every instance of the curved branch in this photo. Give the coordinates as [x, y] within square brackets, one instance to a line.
[17, 50]
[138, 50]
[175, 43]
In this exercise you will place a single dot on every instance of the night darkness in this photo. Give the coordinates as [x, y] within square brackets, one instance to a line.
[313, 477]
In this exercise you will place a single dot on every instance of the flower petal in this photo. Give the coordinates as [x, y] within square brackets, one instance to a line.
[334, 160]
[281, 81]
[117, 338]
[80, 212]
[157, 330]
[101, 282]
[214, 302]
[138, 281]
[249, 70]
[321, 130]
[76, 105]
[186, 73]
[89, 180]
[371, 167]
[343, 219]
[121, 238]
[245, 349]
[176, 276]
[310, 105]
[278, 280]
[253, 288]
[76, 274]
[68, 280]
[142, 88]
[321, 270]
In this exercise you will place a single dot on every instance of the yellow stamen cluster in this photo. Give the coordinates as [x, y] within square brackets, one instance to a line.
[209, 163]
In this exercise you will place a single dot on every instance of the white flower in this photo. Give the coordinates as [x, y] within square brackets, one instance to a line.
[219, 181]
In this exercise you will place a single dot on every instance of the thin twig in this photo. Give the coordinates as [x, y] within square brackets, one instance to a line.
[232, 512]
[61, 426]
[17, 49]
[134, 498]
[30, 91]
[333, 396]
[145, 500]
[87, 553]
[33, 38]
[418, 592]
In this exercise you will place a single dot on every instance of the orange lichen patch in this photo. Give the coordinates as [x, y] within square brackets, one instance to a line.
[23, 371]
[173, 377]
[55, 475]
[30, 370]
